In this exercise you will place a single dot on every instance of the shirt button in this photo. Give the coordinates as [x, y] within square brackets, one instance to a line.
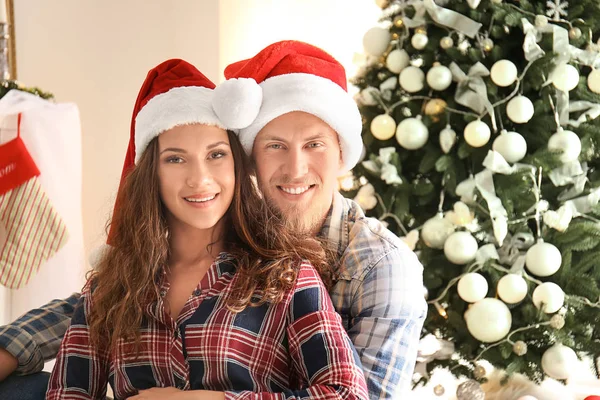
[197, 292]
[176, 333]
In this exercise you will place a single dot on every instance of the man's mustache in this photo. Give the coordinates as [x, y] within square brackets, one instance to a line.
[286, 180]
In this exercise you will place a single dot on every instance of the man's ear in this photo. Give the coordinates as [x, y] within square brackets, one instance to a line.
[342, 170]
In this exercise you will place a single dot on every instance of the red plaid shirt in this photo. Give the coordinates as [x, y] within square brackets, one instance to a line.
[294, 349]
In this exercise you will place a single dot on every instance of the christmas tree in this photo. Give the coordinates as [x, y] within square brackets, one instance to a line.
[482, 140]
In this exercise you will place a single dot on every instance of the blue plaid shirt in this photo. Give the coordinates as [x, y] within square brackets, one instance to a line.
[379, 296]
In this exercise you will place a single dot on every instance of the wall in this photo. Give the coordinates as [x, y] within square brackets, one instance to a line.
[96, 54]
[337, 26]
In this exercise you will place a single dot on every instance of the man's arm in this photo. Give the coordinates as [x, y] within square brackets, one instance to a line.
[35, 336]
[387, 315]
[8, 364]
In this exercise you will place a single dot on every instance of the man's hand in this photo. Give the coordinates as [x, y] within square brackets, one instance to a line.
[8, 364]
[172, 393]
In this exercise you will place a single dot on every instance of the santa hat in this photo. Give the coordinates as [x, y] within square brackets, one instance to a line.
[174, 93]
[284, 77]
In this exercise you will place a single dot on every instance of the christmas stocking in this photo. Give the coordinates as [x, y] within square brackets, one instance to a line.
[30, 229]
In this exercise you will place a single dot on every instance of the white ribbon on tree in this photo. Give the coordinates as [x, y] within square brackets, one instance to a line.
[565, 52]
[574, 173]
[591, 110]
[471, 90]
[584, 204]
[484, 181]
[442, 16]
[513, 251]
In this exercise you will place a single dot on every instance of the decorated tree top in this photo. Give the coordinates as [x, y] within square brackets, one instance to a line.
[481, 147]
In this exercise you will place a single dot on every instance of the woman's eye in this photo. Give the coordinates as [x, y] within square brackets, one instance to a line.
[275, 146]
[174, 160]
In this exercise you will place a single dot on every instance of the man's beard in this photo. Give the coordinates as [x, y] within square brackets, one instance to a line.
[297, 219]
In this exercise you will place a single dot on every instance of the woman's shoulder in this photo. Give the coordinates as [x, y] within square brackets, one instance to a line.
[309, 294]
[308, 275]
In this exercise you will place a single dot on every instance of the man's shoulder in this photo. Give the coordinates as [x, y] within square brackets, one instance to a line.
[371, 244]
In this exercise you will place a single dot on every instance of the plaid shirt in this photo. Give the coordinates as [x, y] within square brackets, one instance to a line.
[293, 349]
[379, 297]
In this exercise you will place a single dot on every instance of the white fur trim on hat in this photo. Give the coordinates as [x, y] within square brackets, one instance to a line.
[314, 95]
[179, 106]
[237, 102]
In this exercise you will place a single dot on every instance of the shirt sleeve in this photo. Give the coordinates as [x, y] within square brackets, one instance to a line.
[387, 314]
[80, 371]
[35, 337]
[325, 364]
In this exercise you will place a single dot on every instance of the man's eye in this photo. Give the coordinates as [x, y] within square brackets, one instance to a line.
[314, 145]
[217, 155]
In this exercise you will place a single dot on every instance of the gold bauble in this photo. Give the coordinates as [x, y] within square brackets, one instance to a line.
[574, 33]
[395, 36]
[487, 44]
[435, 107]
[398, 22]
[479, 372]
[421, 29]
[520, 348]
[439, 390]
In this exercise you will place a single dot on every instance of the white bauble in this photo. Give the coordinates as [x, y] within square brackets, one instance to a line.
[383, 127]
[435, 232]
[460, 248]
[550, 295]
[477, 133]
[419, 41]
[412, 79]
[566, 141]
[488, 320]
[543, 259]
[439, 77]
[397, 60]
[559, 361]
[593, 81]
[519, 109]
[504, 73]
[447, 139]
[512, 288]
[527, 398]
[565, 77]
[376, 41]
[472, 287]
[412, 134]
[511, 145]
[381, 3]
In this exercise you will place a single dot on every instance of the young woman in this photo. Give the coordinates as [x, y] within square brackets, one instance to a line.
[203, 294]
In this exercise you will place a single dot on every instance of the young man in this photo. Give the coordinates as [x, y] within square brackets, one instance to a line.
[302, 129]
[295, 117]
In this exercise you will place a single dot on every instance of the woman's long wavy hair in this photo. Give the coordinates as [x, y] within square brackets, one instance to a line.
[127, 278]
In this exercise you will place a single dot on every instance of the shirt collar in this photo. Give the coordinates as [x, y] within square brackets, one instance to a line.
[335, 229]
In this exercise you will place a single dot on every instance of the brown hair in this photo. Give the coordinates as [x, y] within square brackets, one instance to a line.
[127, 279]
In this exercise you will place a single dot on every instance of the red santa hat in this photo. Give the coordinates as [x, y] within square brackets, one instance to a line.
[284, 77]
[174, 93]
